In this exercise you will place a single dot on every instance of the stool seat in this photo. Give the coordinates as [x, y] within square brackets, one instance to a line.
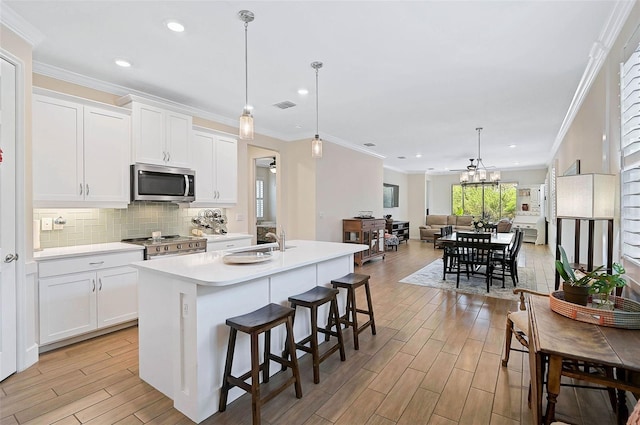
[352, 279]
[351, 282]
[254, 323]
[317, 295]
[313, 299]
[262, 317]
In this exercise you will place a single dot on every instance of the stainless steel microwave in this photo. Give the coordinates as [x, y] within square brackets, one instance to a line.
[162, 183]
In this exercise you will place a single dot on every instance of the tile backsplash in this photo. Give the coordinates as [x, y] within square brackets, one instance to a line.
[92, 225]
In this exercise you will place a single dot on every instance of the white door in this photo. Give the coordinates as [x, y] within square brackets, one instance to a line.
[8, 252]
[117, 295]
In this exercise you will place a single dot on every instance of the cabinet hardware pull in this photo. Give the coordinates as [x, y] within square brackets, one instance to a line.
[80, 188]
[94, 285]
[87, 190]
[97, 263]
[168, 156]
[100, 282]
[164, 156]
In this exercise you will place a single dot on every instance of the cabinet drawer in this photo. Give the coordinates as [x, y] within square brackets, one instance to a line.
[87, 263]
[373, 224]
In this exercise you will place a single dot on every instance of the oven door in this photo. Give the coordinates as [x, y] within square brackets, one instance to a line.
[159, 183]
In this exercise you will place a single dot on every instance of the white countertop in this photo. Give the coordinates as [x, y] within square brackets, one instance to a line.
[209, 269]
[80, 250]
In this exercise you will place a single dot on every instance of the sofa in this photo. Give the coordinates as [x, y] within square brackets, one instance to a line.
[435, 222]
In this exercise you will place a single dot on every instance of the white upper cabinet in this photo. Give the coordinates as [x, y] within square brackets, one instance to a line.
[160, 136]
[80, 153]
[215, 160]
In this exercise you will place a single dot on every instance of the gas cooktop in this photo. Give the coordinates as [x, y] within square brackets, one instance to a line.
[163, 240]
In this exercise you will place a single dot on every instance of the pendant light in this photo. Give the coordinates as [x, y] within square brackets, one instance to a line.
[477, 173]
[246, 119]
[316, 143]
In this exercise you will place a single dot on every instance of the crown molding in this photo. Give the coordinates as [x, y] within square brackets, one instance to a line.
[17, 24]
[597, 57]
[128, 94]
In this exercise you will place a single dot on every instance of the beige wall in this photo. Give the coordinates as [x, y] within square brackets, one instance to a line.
[594, 137]
[417, 203]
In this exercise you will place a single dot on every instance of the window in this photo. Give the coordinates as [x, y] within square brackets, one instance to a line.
[630, 147]
[494, 201]
[259, 199]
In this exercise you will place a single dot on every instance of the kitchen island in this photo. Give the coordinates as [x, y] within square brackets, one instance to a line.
[185, 300]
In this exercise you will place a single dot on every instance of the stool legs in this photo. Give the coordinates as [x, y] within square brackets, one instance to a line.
[254, 330]
[224, 391]
[350, 318]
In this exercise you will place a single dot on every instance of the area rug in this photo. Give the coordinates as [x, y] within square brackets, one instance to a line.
[431, 275]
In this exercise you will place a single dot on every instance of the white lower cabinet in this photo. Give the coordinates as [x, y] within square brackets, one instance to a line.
[83, 294]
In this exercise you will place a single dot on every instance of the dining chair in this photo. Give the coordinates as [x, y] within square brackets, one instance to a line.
[508, 260]
[473, 251]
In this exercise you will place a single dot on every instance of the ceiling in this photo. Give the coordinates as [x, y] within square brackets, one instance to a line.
[411, 77]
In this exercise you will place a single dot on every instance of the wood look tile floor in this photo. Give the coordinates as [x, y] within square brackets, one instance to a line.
[435, 360]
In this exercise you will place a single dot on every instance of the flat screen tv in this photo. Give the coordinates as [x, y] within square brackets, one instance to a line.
[390, 195]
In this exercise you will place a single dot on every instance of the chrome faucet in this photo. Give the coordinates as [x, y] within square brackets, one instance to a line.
[279, 239]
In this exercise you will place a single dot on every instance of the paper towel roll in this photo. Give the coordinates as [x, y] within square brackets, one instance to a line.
[36, 235]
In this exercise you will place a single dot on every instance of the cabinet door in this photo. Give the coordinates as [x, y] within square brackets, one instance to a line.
[202, 156]
[106, 155]
[57, 150]
[226, 170]
[178, 139]
[117, 290]
[67, 306]
[148, 134]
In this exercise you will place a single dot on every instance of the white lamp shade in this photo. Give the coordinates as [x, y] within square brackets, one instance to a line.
[588, 196]
[246, 126]
[316, 147]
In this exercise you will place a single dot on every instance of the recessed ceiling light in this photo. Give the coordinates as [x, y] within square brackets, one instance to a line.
[123, 63]
[303, 91]
[418, 155]
[175, 26]
[512, 146]
[298, 126]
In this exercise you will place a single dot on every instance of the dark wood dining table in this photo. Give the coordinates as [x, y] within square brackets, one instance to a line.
[559, 340]
[499, 241]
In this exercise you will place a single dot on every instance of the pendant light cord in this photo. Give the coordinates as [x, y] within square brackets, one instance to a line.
[246, 67]
[317, 114]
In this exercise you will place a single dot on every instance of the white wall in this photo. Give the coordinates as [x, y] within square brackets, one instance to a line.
[401, 212]
[439, 198]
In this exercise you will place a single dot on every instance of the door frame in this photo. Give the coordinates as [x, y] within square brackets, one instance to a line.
[26, 298]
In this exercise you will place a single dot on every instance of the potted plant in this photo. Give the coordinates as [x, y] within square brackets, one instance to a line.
[605, 283]
[575, 285]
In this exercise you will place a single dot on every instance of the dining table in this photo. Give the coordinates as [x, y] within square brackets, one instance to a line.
[556, 343]
[498, 242]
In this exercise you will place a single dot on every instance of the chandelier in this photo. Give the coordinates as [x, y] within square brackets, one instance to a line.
[476, 172]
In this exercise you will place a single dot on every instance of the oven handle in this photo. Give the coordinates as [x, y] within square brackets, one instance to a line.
[175, 254]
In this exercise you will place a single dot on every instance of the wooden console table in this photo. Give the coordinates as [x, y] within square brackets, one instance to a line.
[561, 339]
[400, 229]
[367, 231]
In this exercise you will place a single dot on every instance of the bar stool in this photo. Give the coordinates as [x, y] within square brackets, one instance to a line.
[313, 299]
[350, 282]
[255, 323]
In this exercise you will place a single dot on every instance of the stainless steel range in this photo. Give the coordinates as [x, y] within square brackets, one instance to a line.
[169, 246]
